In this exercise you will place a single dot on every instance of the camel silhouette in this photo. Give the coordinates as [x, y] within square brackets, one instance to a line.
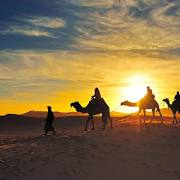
[93, 109]
[143, 105]
[174, 108]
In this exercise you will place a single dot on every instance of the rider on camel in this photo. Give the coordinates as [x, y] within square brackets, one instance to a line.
[177, 96]
[177, 100]
[149, 96]
[97, 94]
[96, 98]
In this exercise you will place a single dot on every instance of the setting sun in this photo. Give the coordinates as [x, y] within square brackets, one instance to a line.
[134, 93]
[136, 88]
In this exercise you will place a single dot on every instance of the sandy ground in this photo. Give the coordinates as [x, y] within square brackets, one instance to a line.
[128, 151]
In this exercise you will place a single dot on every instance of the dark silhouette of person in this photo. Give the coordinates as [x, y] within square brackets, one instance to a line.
[96, 99]
[177, 100]
[177, 96]
[97, 94]
[149, 96]
[49, 122]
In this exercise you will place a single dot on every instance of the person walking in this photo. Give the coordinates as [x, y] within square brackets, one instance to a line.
[49, 122]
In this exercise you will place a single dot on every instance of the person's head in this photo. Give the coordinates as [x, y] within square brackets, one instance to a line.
[178, 92]
[148, 87]
[49, 108]
[96, 89]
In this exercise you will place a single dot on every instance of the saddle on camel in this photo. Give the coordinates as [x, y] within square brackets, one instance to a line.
[97, 102]
[149, 97]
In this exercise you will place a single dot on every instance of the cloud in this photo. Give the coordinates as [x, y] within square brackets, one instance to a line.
[45, 22]
[27, 31]
[34, 26]
[101, 25]
[161, 18]
[93, 3]
[119, 28]
[81, 66]
[102, 3]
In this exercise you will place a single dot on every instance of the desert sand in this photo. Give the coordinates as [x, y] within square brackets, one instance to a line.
[127, 151]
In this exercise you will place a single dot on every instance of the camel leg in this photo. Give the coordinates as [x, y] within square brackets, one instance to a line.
[174, 118]
[144, 111]
[138, 116]
[92, 121]
[87, 121]
[104, 119]
[160, 115]
[153, 115]
[110, 121]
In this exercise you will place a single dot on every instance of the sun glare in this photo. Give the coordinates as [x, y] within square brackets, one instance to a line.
[135, 90]
[134, 93]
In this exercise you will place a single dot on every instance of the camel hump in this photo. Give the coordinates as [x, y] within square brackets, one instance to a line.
[176, 103]
[98, 103]
[149, 102]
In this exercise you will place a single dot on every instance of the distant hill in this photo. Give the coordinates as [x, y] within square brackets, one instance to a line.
[43, 114]
[165, 112]
[39, 114]
[15, 118]
[168, 112]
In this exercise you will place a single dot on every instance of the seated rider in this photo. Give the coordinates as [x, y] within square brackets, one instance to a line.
[177, 97]
[150, 94]
[96, 99]
[97, 94]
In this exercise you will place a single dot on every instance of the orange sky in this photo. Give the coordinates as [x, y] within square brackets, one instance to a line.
[61, 52]
[119, 76]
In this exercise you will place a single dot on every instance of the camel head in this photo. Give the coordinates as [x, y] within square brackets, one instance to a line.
[78, 107]
[166, 100]
[75, 104]
[124, 103]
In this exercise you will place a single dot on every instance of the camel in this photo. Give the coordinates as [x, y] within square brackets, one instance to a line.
[93, 109]
[174, 108]
[143, 105]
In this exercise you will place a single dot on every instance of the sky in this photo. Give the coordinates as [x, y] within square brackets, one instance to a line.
[54, 52]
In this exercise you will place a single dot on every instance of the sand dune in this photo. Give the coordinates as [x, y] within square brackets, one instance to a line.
[128, 151]
[43, 114]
